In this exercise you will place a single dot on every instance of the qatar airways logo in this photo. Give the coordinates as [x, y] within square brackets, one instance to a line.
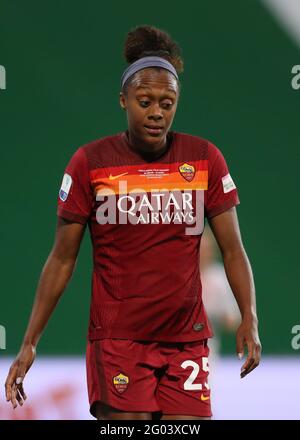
[156, 206]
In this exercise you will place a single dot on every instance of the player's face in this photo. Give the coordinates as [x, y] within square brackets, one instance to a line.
[151, 101]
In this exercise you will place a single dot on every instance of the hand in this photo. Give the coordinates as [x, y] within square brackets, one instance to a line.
[14, 390]
[247, 334]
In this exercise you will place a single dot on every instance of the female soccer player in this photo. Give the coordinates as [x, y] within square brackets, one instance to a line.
[145, 193]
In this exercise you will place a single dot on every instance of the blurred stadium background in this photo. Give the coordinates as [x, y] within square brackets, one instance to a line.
[63, 63]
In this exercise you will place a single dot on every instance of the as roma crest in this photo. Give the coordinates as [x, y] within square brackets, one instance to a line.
[121, 382]
[187, 171]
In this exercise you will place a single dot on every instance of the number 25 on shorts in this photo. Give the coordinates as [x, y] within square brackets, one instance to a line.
[189, 383]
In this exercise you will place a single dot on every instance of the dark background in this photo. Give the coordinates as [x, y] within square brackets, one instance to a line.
[64, 61]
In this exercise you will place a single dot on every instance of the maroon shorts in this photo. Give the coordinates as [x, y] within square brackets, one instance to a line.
[146, 376]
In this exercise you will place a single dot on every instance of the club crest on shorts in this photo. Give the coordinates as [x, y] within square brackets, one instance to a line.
[187, 171]
[121, 382]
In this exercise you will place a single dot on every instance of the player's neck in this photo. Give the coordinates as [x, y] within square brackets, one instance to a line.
[147, 151]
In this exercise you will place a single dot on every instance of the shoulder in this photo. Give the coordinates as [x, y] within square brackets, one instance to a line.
[100, 144]
[95, 152]
[191, 138]
[207, 147]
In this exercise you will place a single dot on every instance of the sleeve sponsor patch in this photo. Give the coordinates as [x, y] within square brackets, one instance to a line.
[65, 187]
[228, 184]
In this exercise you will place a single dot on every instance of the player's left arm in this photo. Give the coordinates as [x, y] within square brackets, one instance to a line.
[225, 227]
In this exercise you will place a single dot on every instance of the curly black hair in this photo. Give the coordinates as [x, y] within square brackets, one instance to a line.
[148, 40]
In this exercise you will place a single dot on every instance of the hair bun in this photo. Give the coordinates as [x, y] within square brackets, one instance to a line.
[147, 40]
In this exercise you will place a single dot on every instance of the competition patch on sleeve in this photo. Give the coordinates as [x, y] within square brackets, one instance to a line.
[228, 184]
[65, 187]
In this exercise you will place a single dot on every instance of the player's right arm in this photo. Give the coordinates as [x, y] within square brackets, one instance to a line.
[53, 280]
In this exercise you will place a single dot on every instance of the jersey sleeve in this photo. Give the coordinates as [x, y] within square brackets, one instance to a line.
[221, 194]
[75, 198]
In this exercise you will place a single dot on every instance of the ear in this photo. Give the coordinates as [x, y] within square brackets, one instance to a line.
[123, 101]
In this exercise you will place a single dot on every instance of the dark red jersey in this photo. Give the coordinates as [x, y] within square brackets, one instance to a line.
[146, 219]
